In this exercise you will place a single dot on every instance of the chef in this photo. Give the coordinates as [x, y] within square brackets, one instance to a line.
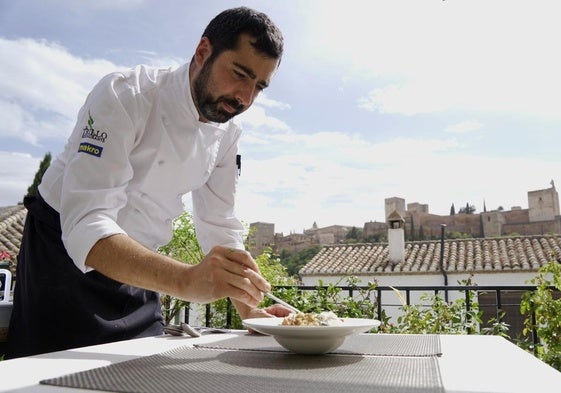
[88, 271]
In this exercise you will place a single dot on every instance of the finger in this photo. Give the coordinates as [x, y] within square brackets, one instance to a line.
[244, 296]
[278, 310]
[242, 257]
[248, 285]
[243, 270]
[257, 280]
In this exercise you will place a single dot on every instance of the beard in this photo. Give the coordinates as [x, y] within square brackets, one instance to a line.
[207, 104]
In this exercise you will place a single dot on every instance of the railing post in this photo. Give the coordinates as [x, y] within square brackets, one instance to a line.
[468, 308]
[379, 291]
[207, 315]
[187, 308]
[499, 305]
[535, 338]
[228, 313]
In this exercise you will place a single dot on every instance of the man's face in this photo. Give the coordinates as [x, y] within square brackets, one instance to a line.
[228, 85]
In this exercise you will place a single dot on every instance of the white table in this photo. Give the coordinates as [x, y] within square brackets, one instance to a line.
[468, 364]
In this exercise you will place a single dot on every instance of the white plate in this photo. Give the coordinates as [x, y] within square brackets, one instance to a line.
[310, 339]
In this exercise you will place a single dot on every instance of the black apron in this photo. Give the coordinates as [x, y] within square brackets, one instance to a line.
[57, 307]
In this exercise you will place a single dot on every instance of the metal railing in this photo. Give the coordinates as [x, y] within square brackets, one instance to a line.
[382, 295]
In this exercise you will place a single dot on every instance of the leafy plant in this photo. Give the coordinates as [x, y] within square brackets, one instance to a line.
[435, 315]
[185, 247]
[438, 317]
[543, 312]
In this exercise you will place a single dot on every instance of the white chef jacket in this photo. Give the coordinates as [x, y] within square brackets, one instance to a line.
[136, 149]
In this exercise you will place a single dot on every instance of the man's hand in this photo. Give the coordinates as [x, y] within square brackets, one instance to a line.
[276, 310]
[226, 272]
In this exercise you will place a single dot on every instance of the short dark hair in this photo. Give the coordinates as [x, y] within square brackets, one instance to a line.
[225, 29]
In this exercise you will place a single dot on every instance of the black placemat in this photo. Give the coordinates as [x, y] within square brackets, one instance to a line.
[186, 369]
[359, 344]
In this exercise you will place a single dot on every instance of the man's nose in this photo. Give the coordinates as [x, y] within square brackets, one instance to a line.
[246, 94]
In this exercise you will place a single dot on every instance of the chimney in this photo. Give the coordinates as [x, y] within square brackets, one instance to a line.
[396, 238]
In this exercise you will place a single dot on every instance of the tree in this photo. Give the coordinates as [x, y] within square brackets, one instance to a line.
[184, 247]
[294, 262]
[43, 165]
[469, 209]
[353, 235]
[452, 210]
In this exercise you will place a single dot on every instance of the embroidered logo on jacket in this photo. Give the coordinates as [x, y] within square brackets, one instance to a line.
[90, 133]
[88, 148]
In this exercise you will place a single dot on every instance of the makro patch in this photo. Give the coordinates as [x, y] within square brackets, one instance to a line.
[88, 148]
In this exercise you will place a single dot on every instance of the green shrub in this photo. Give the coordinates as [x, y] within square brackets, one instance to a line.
[543, 312]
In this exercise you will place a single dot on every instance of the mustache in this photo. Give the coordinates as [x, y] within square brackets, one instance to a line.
[238, 106]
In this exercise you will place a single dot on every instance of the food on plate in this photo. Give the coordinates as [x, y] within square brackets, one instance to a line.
[325, 318]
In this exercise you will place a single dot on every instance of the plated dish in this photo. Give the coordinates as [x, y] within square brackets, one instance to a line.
[310, 339]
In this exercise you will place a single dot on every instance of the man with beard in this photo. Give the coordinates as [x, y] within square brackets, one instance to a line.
[88, 271]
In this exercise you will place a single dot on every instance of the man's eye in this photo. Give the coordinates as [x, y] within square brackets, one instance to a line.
[239, 74]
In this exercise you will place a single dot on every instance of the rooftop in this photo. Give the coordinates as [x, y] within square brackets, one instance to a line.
[501, 254]
[12, 219]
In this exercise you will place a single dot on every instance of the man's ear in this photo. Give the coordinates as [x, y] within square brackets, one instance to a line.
[203, 51]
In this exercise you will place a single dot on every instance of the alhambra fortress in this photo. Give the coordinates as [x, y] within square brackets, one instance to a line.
[541, 217]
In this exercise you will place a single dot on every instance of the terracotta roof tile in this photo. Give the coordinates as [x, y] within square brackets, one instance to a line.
[11, 228]
[521, 253]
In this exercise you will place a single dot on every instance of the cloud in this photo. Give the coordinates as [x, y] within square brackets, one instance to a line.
[17, 171]
[425, 57]
[293, 179]
[42, 88]
[255, 118]
[464, 127]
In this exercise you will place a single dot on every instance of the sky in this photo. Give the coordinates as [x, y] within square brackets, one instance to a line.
[436, 102]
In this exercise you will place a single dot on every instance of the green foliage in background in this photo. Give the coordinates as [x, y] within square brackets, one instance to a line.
[295, 261]
[43, 165]
[434, 315]
[546, 308]
[184, 247]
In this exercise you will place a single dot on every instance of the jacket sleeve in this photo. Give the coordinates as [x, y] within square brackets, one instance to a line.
[214, 204]
[97, 170]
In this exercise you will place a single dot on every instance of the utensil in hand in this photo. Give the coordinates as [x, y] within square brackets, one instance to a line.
[282, 302]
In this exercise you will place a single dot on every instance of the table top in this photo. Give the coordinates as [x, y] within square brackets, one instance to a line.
[469, 363]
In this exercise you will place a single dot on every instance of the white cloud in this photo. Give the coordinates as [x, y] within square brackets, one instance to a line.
[264, 100]
[255, 117]
[43, 86]
[293, 179]
[424, 57]
[17, 171]
[464, 127]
